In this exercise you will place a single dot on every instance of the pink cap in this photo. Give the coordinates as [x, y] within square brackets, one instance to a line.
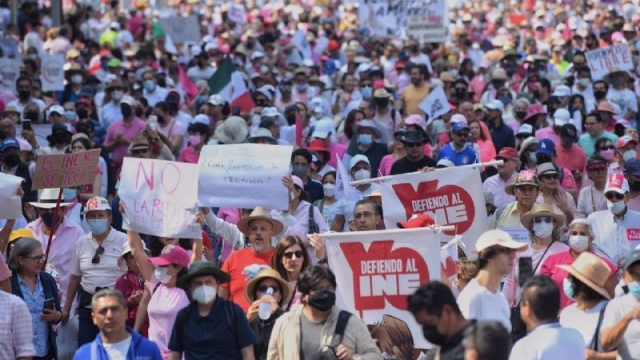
[415, 120]
[623, 141]
[297, 181]
[617, 37]
[172, 255]
[378, 84]
[225, 48]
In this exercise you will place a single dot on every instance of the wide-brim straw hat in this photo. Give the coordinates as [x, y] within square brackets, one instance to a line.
[259, 213]
[591, 270]
[268, 273]
[542, 211]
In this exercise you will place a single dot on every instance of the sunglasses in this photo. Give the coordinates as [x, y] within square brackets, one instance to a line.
[412, 145]
[549, 177]
[263, 288]
[539, 220]
[611, 195]
[289, 255]
[462, 134]
[607, 147]
[141, 151]
[96, 256]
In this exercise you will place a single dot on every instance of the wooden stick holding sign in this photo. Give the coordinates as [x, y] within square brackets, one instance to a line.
[53, 229]
[383, 178]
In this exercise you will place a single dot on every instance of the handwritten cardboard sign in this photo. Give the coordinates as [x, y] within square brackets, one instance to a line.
[66, 170]
[181, 29]
[11, 203]
[244, 176]
[601, 61]
[160, 197]
[52, 76]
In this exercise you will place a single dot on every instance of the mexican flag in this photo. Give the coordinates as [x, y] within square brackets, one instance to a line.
[229, 83]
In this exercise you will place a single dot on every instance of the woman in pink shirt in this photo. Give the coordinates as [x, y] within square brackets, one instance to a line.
[199, 135]
[580, 240]
[397, 153]
[481, 134]
[543, 225]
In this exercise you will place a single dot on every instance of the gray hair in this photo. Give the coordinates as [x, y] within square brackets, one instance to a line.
[585, 222]
[107, 293]
[23, 247]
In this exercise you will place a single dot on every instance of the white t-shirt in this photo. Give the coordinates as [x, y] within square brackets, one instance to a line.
[583, 321]
[549, 342]
[195, 73]
[119, 350]
[615, 311]
[477, 302]
[624, 98]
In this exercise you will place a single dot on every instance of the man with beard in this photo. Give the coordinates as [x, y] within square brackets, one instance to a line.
[416, 92]
[415, 158]
[525, 189]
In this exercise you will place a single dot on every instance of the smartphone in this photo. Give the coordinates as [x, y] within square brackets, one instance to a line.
[153, 122]
[235, 111]
[26, 125]
[525, 271]
[50, 304]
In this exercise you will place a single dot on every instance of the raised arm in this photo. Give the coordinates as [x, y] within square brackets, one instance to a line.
[139, 255]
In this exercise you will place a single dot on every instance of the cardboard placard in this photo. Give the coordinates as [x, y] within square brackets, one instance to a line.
[66, 170]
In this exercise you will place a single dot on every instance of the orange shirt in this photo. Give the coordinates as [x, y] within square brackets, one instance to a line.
[412, 97]
[572, 159]
[243, 265]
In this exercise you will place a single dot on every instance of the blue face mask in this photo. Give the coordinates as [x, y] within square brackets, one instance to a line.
[567, 287]
[70, 115]
[366, 92]
[149, 85]
[98, 226]
[634, 289]
[365, 139]
[532, 158]
[69, 194]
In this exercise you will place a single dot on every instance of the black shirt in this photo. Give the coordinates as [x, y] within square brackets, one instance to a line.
[501, 135]
[314, 189]
[375, 154]
[405, 166]
[454, 350]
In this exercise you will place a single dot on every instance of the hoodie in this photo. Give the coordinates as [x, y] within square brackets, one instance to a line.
[140, 349]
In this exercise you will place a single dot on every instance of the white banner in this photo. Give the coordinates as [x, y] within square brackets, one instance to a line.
[244, 176]
[428, 24]
[160, 197]
[181, 29]
[236, 14]
[299, 40]
[9, 73]
[376, 271]
[451, 196]
[389, 18]
[601, 61]
[52, 76]
[11, 203]
[435, 104]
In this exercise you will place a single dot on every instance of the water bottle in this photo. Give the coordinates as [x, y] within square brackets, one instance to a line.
[264, 311]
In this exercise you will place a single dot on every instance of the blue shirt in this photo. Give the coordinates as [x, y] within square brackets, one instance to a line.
[464, 157]
[35, 303]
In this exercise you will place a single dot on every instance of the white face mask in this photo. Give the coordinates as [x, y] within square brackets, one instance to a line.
[362, 174]
[584, 82]
[161, 274]
[616, 207]
[543, 229]
[579, 243]
[329, 190]
[204, 294]
[629, 154]
[76, 79]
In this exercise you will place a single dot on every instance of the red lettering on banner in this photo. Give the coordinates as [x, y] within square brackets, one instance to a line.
[633, 234]
[447, 205]
[381, 274]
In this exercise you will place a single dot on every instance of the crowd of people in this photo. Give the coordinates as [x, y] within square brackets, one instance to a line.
[556, 276]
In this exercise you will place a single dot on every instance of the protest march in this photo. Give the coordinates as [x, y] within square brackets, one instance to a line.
[319, 180]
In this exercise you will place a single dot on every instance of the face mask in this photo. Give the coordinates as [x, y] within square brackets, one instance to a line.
[76, 79]
[634, 185]
[83, 113]
[204, 294]
[32, 115]
[47, 219]
[161, 274]
[366, 92]
[536, 93]
[61, 139]
[195, 140]
[329, 190]
[505, 100]
[291, 119]
[413, 48]
[461, 93]
[454, 73]
[599, 94]
[584, 82]
[149, 85]
[497, 84]
[382, 103]
[24, 94]
[70, 115]
[117, 95]
[567, 287]
[579, 243]
[607, 154]
[98, 226]
[301, 87]
[616, 82]
[322, 300]
[365, 139]
[616, 207]
[299, 170]
[532, 158]
[431, 333]
[629, 154]
[126, 111]
[634, 289]
[12, 160]
[521, 114]
[69, 194]
[362, 174]
[543, 229]
[162, 83]
[543, 74]
[32, 56]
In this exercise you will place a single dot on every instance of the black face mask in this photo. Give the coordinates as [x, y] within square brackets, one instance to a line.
[173, 106]
[12, 160]
[162, 83]
[322, 300]
[83, 113]
[31, 115]
[413, 48]
[61, 138]
[536, 93]
[599, 94]
[161, 120]
[291, 119]
[383, 103]
[461, 93]
[261, 103]
[521, 114]
[24, 94]
[139, 111]
[431, 333]
[634, 185]
[497, 84]
[126, 111]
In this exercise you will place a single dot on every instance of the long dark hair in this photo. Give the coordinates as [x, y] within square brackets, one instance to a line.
[278, 254]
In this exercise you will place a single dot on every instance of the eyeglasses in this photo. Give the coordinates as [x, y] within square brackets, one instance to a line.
[37, 258]
[607, 147]
[539, 220]
[96, 256]
[549, 177]
[411, 145]
[289, 255]
[140, 151]
[366, 215]
[263, 288]
[611, 195]
[463, 134]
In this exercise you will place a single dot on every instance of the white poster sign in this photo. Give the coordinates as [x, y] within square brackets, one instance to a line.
[181, 29]
[244, 176]
[377, 271]
[429, 23]
[236, 13]
[160, 197]
[11, 203]
[9, 73]
[52, 76]
[435, 104]
[389, 18]
[451, 196]
[299, 40]
[602, 60]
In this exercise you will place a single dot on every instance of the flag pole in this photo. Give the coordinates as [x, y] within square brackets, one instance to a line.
[53, 229]
[385, 178]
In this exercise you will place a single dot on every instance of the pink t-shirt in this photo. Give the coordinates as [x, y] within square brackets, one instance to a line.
[550, 268]
[386, 163]
[548, 133]
[189, 155]
[163, 308]
[334, 149]
[128, 132]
